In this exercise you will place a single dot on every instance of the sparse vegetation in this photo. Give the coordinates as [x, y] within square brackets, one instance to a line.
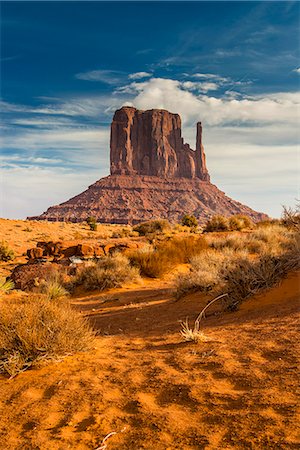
[152, 227]
[195, 334]
[53, 289]
[6, 253]
[28, 229]
[33, 329]
[92, 222]
[291, 217]
[230, 268]
[108, 272]
[216, 223]
[155, 261]
[6, 286]
[189, 221]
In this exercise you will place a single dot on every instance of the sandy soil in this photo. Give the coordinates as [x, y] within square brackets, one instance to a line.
[235, 391]
[24, 234]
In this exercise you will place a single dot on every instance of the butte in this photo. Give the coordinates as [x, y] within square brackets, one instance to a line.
[153, 174]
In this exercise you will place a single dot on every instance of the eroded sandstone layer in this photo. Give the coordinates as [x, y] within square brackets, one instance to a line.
[150, 143]
[154, 174]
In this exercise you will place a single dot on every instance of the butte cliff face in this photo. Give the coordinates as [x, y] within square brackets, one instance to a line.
[154, 174]
[150, 143]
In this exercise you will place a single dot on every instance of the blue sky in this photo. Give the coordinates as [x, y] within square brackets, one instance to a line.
[66, 66]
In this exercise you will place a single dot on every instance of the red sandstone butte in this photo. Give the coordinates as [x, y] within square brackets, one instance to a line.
[154, 174]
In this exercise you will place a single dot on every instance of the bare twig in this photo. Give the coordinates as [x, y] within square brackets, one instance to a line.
[103, 445]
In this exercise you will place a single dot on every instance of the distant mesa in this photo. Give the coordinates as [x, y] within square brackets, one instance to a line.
[154, 174]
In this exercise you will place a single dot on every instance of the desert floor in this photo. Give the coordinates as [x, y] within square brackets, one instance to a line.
[237, 390]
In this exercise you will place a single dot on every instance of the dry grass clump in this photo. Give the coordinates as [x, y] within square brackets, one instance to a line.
[237, 222]
[291, 217]
[152, 227]
[6, 253]
[182, 249]
[108, 272]
[189, 334]
[205, 273]
[33, 329]
[194, 334]
[53, 289]
[6, 286]
[216, 223]
[249, 277]
[153, 262]
[272, 239]
[233, 271]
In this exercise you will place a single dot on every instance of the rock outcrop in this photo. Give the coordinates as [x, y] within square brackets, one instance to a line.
[150, 143]
[154, 174]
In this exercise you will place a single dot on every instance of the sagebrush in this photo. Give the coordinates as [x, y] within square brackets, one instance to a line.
[33, 329]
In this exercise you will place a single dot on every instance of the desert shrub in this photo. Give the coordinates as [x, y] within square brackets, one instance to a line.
[234, 272]
[291, 217]
[234, 241]
[216, 223]
[249, 276]
[189, 221]
[267, 223]
[204, 275]
[108, 272]
[6, 253]
[235, 224]
[93, 226]
[33, 329]
[239, 222]
[6, 286]
[150, 262]
[152, 227]
[272, 239]
[154, 262]
[53, 289]
[182, 249]
[92, 222]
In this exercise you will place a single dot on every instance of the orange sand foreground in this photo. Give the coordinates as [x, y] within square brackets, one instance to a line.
[235, 391]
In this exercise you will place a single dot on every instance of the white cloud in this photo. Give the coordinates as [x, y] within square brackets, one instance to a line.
[139, 75]
[211, 76]
[263, 109]
[249, 141]
[201, 87]
[297, 70]
[105, 76]
[19, 188]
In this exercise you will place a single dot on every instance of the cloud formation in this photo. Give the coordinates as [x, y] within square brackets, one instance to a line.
[179, 97]
[250, 140]
[105, 76]
[139, 75]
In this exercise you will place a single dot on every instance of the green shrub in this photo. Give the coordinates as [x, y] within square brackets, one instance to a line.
[53, 289]
[189, 221]
[6, 285]
[108, 272]
[6, 253]
[33, 329]
[216, 223]
[93, 226]
[152, 227]
[92, 222]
